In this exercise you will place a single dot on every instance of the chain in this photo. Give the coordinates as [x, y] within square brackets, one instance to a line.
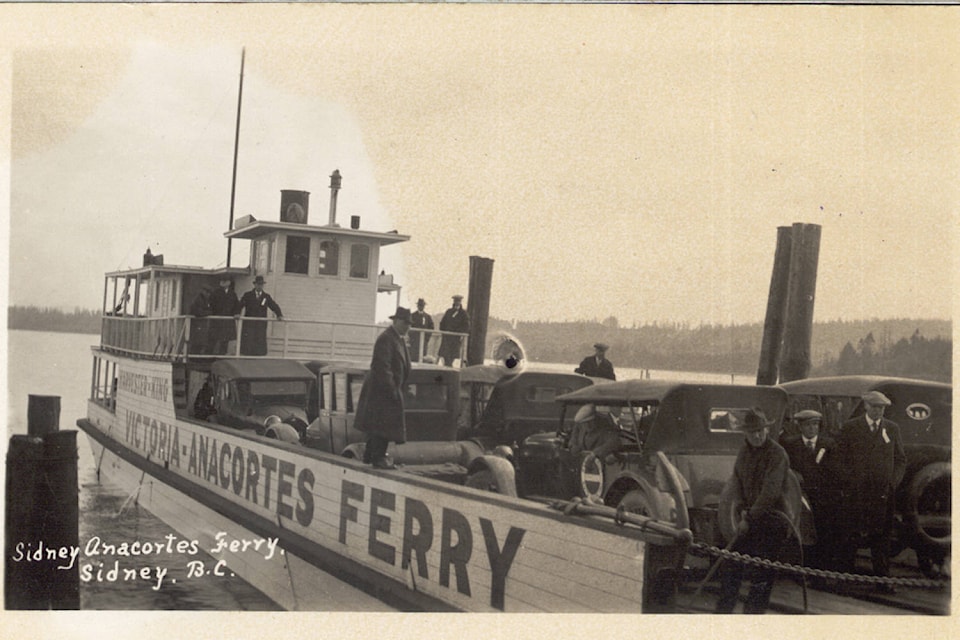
[703, 549]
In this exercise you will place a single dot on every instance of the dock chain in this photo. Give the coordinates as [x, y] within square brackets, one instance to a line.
[703, 549]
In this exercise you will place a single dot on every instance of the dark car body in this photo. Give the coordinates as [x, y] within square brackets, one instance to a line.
[431, 405]
[250, 393]
[505, 407]
[692, 424]
[923, 410]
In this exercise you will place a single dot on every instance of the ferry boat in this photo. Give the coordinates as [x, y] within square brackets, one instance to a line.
[283, 515]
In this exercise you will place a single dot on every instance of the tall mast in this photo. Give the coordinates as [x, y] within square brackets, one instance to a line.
[236, 145]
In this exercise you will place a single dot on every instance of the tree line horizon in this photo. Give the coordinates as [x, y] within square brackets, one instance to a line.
[908, 347]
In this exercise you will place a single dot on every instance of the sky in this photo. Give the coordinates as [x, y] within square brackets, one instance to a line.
[626, 161]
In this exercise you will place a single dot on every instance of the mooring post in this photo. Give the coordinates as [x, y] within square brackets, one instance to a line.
[768, 370]
[42, 514]
[801, 295]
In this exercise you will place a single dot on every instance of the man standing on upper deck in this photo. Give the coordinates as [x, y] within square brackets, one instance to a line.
[223, 302]
[455, 319]
[419, 319]
[254, 304]
[597, 365]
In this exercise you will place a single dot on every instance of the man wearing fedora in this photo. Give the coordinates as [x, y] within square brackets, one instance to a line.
[814, 458]
[254, 304]
[454, 319]
[758, 484]
[419, 319]
[874, 462]
[380, 407]
[223, 304]
[597, 365]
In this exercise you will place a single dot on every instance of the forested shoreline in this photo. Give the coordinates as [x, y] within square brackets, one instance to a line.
[916, 348]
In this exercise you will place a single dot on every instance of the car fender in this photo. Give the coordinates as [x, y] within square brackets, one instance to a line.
[283, 432]
[663, 504]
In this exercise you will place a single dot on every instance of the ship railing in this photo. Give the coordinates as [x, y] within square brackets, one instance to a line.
[425, 345]
[187, 337]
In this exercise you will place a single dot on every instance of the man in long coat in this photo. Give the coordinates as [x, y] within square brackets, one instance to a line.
[597, 365]
[814, 457]
[223, 302]
[874, 463]
[380, 408]
[254, 304]
[455, 319]
[419, 319]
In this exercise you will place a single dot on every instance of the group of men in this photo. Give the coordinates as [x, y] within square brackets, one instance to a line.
[850, 482]
[213, 336]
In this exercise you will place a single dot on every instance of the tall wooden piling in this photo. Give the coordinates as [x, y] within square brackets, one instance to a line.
[768, 369]
[481, 277]
[798, 329]
[42, 513]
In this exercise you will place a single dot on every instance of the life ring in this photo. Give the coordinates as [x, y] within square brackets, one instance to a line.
[930, 488]
[795, 509]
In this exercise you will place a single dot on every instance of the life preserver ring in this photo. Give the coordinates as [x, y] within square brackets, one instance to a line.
[795, 508]
[936, 476]
[589, 476]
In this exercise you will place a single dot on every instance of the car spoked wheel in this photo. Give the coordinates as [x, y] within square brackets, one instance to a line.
[590, 475]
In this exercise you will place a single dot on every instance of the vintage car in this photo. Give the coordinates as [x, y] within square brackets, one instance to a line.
[923, 410]
[265, 395]
[693, 425]
[506, 407]
[431, 407]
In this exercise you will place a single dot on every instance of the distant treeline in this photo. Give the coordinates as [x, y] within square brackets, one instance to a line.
[51, 319]
[905, 347]
[901, 347]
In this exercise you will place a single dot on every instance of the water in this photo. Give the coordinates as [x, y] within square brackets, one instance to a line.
[58, 364]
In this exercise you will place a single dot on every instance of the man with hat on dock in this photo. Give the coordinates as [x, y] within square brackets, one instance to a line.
[380, 407]
[815, 460]
[455, 319]
[873, 461]
[597, 365]
[419, 319]
[758, 485]
[254, 304]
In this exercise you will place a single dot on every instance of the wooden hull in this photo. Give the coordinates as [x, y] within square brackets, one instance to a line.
[412, 542]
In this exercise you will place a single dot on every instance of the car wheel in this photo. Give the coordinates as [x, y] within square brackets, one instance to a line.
[927, 506]
[483, 480]
[637, 501]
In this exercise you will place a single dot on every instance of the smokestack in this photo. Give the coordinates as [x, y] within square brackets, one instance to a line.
[334, 188]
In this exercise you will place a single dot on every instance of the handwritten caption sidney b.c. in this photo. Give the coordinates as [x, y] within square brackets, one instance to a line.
[102, 561]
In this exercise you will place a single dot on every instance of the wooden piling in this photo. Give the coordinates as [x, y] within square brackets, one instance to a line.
[798, 329]
[42, 513]
[768, 369]
[481, 277]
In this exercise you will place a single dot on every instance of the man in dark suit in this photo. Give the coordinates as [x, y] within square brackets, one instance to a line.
[254, 304]
[223, 302]
[455, 319]
[873, 462]
[815, 460]
[380, 407]
[419, 319]
[597, 365]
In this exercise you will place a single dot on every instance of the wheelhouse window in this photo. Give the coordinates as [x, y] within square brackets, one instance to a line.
[298, 255]
[328, 258]
[359, 261]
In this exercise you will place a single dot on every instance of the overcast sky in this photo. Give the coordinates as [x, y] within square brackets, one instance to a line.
[632, 161]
